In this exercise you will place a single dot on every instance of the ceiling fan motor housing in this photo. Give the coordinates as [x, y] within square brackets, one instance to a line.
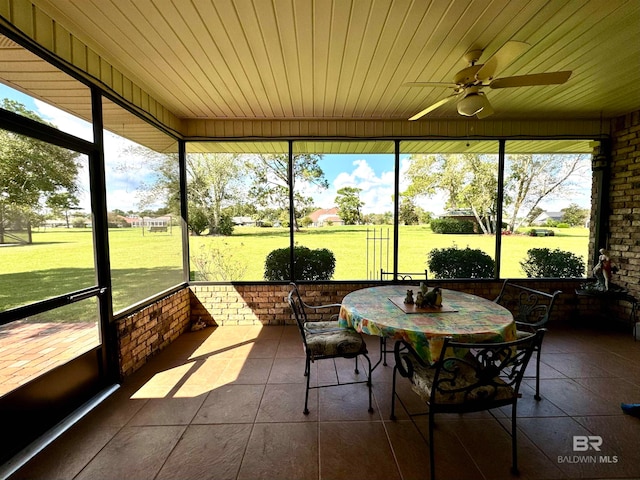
[467, 76]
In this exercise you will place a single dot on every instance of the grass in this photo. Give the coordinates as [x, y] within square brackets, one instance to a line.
[61, 260]
[349, 246]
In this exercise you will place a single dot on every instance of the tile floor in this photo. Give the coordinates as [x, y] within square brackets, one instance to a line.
[226, 403]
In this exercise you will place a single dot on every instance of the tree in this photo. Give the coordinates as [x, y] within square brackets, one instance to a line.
[349, 205]
[63, 204]
[574, 215]
[468, 180]
[531, 178]
[32, 171]
[533, 214]
[215, 182]
[271, 180]
[408, 212]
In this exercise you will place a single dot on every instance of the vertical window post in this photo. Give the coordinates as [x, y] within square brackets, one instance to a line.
[499, 200]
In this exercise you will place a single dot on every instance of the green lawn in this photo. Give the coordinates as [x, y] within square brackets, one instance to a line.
[61, 260]
[349, 246]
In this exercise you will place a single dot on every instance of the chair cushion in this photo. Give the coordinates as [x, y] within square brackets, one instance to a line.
[332, 341]
[317, 327]
[465, 376]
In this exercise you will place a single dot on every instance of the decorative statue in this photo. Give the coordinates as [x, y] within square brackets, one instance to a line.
[434, 297]
[419, 300]
[602, 271]
[423, 288]
[409, 298]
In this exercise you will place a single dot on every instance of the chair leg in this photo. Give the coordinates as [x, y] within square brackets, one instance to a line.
[383, 350]
[537, 395]
[514, 442]
[356, 370]
[369, 384]
[393, 394]
[432, 453]
[306, 395]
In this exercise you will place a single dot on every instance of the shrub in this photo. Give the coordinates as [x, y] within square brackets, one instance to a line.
[455, 263]
[546, 263]
[318, 264]
[563, 225]
[450, 225]
[225, 225]
[198, 220]
[218, 264]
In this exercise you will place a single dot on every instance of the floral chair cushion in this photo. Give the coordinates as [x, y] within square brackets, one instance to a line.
[326, 339]
[458, 384]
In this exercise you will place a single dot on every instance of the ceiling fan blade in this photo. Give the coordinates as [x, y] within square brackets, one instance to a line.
[486, 110]
[429, 84]
[431, 108]
[552, 78]
[500, 60]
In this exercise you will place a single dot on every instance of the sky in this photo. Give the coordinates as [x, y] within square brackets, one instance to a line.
[372, 173]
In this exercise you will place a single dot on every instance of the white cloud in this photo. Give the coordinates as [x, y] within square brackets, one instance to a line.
[65, 121]
[377, 190]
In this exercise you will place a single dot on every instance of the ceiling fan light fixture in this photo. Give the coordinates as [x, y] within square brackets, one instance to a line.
[471, 104]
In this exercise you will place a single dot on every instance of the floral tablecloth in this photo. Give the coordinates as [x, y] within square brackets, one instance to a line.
[474, 319]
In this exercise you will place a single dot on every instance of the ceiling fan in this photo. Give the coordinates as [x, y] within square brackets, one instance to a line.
[469, 81]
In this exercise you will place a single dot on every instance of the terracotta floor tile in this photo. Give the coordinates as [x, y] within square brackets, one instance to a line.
[620, 437]
[220, 403]
[285, 403]
[168, 411]
[345, 402]
[135, 452]
[410, 449]
[575, 365]
[207, 452]
[356, 450]
[66, 457]
[453, 462]
[245, 371]
[291, 370]
[287, 451]
[489, 444]
[230, 404]
[554, 437]
[575, 399]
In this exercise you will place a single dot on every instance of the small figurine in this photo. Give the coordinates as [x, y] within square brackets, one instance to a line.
[419, 300]
[423, 288]
[602, 271]
[409, 298]
[434, 297]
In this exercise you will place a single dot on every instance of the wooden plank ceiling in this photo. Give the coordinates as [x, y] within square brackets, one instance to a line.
[341, 59]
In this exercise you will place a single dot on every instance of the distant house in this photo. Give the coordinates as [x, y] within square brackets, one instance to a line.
[60, 222]
[243, 221]
[322, 216]
[163, 221]
[462, 215]
[544, 216]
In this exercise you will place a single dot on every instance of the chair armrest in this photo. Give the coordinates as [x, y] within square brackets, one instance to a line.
[317, 307]
[405, 355]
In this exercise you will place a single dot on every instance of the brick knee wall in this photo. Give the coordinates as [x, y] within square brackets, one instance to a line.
[267, 304]
[143, 334]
